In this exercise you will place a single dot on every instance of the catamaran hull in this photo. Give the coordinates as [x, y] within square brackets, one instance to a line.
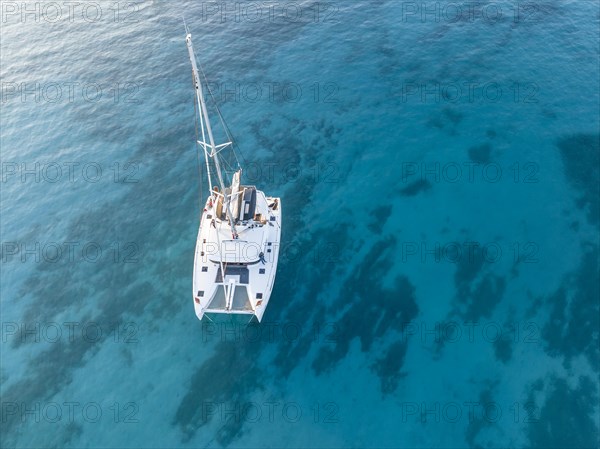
[246, 288]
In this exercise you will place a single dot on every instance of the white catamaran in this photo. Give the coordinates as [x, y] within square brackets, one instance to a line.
[240, 229]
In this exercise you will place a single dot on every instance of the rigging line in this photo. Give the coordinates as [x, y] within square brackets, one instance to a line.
[235, 147]
[216, 105]
[230, 138]
[200, 169]
[234, 144]
[227, 166]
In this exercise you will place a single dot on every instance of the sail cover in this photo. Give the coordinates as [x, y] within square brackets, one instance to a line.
[235, 195]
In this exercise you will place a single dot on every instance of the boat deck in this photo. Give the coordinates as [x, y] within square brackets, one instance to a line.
[249, 262]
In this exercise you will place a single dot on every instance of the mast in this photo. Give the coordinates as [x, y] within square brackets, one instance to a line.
[204, 121]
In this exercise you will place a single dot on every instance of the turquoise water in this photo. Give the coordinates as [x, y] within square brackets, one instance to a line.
[438, 165]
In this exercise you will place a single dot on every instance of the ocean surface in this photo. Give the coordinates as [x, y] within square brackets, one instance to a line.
[438, 281]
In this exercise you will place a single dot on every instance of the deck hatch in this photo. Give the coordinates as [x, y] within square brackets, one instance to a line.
[234, 270]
